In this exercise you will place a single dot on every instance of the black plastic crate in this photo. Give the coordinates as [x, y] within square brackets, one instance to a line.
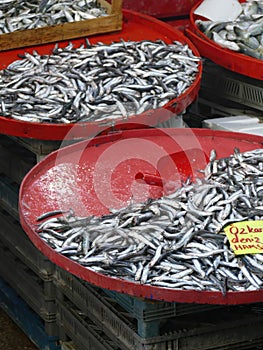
[15, 161]
[148, 310]
[38, 147]
[13, 237]
[222, 85]
[227, 331]
[223, 328]
[37, 293]
[9, 195]
[147, 315]
[84, 334]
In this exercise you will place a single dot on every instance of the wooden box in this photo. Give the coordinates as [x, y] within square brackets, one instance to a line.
[64, 31]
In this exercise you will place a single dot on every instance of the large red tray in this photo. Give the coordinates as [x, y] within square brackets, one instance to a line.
[135, 27]
[92, 176]
[231, 60]
[161, 9]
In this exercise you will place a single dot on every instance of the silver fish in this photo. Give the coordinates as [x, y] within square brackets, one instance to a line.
[243, 35]
[148, 242]
[22, 15]
[97, 82]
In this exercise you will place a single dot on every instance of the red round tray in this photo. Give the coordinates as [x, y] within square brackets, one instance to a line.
[92, 176]
[231, 60]
[135, 27]
[160, 9]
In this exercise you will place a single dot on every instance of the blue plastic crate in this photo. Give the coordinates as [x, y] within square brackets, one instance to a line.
[147, 314]
[229, 332]
[219, 329]
[38, 294]
[26, 318]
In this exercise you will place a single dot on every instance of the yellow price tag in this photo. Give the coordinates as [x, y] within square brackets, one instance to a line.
[245, 237]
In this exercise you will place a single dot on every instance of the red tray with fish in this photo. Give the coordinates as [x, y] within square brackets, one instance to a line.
[136, 27]
[98, 178]
[232, 60]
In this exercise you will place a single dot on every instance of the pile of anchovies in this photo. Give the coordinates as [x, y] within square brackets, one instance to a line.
[96, 83]
[176, 241]
[22, 14]
[244, 35]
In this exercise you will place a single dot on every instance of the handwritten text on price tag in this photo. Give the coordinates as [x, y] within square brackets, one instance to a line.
[245, 237]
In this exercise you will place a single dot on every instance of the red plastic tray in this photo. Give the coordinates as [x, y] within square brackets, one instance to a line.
[92, 176]
[161, 9]
[231, 60]
[135, 27]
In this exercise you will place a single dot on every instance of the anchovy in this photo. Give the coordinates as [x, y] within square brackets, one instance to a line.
[149, 243]
[22, 15]
[96, 83]
[244, 35]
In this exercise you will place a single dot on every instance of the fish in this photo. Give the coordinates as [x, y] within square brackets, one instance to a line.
[23, 15]
[244, 35]
[147, 243]
[100, 82]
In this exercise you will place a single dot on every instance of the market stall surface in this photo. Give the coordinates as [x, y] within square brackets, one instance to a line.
[11, 336]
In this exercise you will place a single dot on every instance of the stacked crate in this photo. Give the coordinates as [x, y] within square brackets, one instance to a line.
[83, 317]
[26, 275]
[79, 316]
[224, 93]
[26, 318]
[230, 91]
[93, 318]
[24, 270]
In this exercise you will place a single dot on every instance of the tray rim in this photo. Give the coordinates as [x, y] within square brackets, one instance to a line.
[128, 287]
[236, 62]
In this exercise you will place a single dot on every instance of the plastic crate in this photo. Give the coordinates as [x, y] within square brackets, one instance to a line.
[229, 330]
[83, 297]
[15, 161]
[67, 345]
[152, 311]
[38, 294]
[40, 148]
[220, 83]
[9, 195]
[84, 334]
[18, 155]
[26, 318]
[15, 239]
[206, 329]
[145, 315]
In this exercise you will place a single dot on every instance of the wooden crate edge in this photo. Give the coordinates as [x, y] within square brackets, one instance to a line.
[105, 4]
[65, 31]
[114, 8]
[60, 32]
